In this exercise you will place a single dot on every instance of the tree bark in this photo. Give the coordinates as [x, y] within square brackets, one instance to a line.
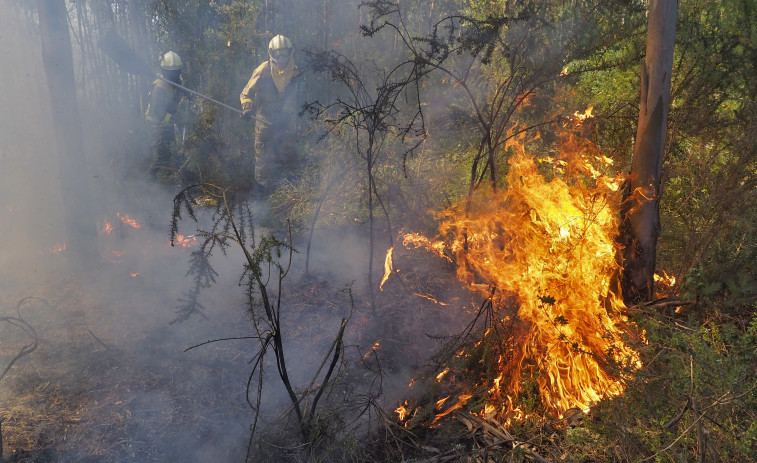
[640, 222]
[57, 58]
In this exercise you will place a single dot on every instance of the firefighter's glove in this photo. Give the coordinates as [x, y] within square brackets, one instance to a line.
[246, 110]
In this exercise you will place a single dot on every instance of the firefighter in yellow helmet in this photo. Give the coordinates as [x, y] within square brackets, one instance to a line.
[272, 95]
[162, 104]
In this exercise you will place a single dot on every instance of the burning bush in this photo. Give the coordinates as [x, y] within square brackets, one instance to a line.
[543, 253]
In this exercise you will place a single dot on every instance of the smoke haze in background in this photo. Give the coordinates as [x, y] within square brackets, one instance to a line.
[115, 318]
[104, 333]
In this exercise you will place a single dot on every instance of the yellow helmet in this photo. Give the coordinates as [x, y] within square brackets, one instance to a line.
[280, 48]
[171, 61]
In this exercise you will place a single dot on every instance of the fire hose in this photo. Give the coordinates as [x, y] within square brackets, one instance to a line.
[132, 63]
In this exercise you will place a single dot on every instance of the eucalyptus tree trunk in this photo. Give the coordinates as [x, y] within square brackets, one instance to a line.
[57, 58]
[640, 224]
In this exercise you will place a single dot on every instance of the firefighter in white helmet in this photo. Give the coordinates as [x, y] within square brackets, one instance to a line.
[162, 104]
[272, 95]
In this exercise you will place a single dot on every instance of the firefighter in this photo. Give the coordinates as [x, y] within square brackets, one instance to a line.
[162, 104]
[271, 93]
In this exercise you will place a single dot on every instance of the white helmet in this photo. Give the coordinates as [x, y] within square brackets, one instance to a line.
[171, 61]
[280, 48]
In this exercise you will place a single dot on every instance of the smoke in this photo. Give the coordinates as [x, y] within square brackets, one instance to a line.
[28, 175]
[109, 358]
[109, 376]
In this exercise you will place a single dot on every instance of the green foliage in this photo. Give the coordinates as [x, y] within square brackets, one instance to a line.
[708, 206]
[732, 288]
[695, 382]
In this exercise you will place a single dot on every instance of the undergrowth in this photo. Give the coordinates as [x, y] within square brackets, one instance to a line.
[695, 399]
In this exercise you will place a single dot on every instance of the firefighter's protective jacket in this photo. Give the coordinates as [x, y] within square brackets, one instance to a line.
[164, 99]
[274, 109]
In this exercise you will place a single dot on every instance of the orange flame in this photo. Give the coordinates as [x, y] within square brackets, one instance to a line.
[664, 284]
[430, 298]
[373, 350]
[549, 245]
[461, 401]
[401, 411]
[129, 221]
[586, 115]
[387, 268]
[184, 241]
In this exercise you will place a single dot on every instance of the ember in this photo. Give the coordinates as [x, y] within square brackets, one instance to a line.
[116, 256]
[58, 248]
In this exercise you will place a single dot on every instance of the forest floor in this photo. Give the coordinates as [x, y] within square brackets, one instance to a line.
[107, 390]
[111, 379]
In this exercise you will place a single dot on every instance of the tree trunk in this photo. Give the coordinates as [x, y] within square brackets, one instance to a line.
[57, 59]
[640, 222]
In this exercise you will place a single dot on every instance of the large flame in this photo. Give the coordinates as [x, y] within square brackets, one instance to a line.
[544, 252]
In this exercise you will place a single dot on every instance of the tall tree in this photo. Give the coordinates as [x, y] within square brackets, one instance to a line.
[57, 58]
[640, 215]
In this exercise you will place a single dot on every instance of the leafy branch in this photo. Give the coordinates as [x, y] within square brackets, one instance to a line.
[267, 263]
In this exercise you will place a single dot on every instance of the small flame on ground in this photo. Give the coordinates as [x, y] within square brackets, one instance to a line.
[387, 268]
[667, 280]
[373, 350]
[184, 241]
[108, 228]
[401, 411]
[430, 298]
[129, 221]
[441, 375]
[586, 115]
[664, 284]
[461, 401]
